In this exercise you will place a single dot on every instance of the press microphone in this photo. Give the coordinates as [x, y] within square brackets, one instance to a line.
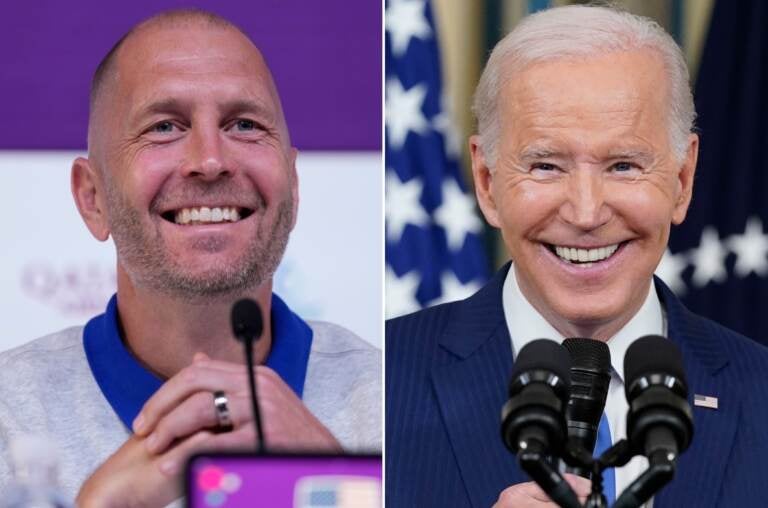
[590, 378]
[247, 327]
[660, 420]
[533, 419]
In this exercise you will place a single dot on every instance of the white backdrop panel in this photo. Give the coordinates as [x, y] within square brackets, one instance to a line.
[53, 274]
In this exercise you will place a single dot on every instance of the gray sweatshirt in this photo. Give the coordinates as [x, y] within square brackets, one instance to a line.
[47, 388]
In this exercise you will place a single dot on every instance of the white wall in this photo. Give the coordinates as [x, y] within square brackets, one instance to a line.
[53, 274]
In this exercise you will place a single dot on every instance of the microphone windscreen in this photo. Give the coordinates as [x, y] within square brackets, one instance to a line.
[544, 354]
[589, 353]
[590, 381]
[652, 354]
[247, 322]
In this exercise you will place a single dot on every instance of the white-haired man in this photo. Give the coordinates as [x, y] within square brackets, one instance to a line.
[584, 158]
[191, 171]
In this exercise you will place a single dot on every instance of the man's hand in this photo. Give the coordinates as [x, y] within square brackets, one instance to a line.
[184, 405]
[134, 477]
[180, 419]
[530, 495]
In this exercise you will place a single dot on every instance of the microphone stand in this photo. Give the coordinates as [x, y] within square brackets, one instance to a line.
[615, 456]
[660, 471]
[248, 341]
[247, 327]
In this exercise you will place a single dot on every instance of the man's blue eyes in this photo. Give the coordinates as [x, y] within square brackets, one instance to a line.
[168, 127]
[245, 125]
[163, 127]
[622, 166]
[619, 166]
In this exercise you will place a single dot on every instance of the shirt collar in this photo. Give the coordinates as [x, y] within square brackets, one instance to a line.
[127, 385]
[526, 324]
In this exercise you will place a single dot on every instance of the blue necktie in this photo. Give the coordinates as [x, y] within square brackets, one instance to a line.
[603, 443]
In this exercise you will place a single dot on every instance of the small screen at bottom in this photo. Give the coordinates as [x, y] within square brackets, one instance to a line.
[291, 481]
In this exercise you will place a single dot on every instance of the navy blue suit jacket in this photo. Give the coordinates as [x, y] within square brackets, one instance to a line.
[447, 369]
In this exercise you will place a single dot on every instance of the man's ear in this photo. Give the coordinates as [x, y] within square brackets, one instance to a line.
[294, 182]
[685, 177]
[88, 191]
[483, 177]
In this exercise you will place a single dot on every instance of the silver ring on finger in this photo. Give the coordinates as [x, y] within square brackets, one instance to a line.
[223, 415]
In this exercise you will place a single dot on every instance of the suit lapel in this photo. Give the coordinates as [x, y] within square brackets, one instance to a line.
[470, 377]
[700, 470]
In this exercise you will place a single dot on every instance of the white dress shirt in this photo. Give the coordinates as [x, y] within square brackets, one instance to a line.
[526, 324]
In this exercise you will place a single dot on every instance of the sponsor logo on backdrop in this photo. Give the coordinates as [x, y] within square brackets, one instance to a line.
[82, 290]
[74, 290]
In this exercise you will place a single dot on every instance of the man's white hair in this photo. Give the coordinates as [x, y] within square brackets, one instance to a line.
[579, 31]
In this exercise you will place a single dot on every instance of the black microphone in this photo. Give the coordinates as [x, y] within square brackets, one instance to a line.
[533, 419]
[660, 420]
[590, 379]
[247, 326]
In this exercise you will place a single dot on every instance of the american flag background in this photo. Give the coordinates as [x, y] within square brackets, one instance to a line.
[717, 260]
[434, 246]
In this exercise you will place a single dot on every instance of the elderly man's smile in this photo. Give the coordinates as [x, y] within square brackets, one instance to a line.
[585, 257]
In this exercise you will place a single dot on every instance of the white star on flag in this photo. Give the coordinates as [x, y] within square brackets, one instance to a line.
[403, 112]
[402, 206]
[709, 259]
[400, 296]
[405, 19]
[751, 249]
[444, 124]
[456, 214]
[670, 270]
[453, 289]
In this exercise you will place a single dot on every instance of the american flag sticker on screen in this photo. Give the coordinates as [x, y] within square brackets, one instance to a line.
[337, 492]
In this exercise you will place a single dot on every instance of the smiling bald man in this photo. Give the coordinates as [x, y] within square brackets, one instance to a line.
[191, 171]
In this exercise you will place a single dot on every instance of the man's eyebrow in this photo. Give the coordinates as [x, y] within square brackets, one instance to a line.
[176, 106]
[170, 105]
[539, 152]
[534, 153]
[247, 106]
[631, 154]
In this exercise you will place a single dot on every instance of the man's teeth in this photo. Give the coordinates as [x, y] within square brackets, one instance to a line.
[588, 256]
[207, 215]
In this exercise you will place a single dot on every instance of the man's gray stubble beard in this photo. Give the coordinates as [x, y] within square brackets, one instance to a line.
[147, 264]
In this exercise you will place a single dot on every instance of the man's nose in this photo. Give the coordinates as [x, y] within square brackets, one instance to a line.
[206, 155]
[585, 206]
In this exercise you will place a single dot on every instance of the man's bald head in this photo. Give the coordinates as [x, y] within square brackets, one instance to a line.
[108, 73]
[172, 18]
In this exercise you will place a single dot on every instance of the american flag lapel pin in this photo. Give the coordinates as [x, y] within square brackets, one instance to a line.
[705, 401]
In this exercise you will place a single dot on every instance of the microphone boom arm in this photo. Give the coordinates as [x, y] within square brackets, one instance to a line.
[659, 473]
[533, 461]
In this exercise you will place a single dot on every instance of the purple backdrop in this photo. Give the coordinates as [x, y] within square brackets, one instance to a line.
[325, 55]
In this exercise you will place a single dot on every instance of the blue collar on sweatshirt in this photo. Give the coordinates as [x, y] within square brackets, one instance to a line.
[127, 385]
